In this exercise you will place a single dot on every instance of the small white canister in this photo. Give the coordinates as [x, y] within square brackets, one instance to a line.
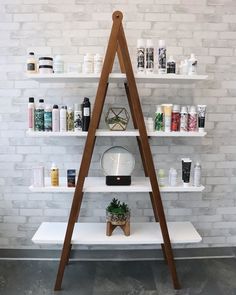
[58, 65]
[98, 62]
[88, 63]
[38, 176]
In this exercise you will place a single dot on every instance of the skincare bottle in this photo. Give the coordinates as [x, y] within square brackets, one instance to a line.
[55, 119]
[149, 56]
[31, 63]
[39, 116]
[54, 175]
[70, 119]
[77, 117]
[88, 64]
[161, 177]
[172, 177]
[162, 57]
[175, 118]
[171, 65]
[48, 118]
[186, 169]
[184, 119]
[201, 109]
[197, 174]
[86, 110]
[31, 107]
[38, 176]
[63, 119]
[167, 116]
[185, 67]
[192, 119]
[159, 116]
[192, 65]
[58, 65]
[140, 55]
[150, 124]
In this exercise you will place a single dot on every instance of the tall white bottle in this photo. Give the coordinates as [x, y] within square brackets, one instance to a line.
[192, 65]
[55, 119]
[63, 119]
[31, 108]
[149, 56]
[162, 57]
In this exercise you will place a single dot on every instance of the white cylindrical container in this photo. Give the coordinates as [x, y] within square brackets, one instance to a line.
[192, 65]
[58, 65]
[140, 55]
[31, 108]
[88, 64]
[150, 124]
[55, 118]
[172, 177]
[98, 62]
[185, 67]
[38, 176]
[63, 119]
[197, 174]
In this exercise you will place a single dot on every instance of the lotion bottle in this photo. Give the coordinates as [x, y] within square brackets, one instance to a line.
[54, 175]
[31, 108]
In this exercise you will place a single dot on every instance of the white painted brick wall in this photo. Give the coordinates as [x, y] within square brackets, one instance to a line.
[49, 27]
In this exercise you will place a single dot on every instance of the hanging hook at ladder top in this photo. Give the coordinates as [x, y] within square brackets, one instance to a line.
[117, 15]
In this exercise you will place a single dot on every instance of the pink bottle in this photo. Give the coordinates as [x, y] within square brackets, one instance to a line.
[192, 119]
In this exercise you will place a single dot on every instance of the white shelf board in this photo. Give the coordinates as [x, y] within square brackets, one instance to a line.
[105, 132]
[95, 234]
[115, 78]
[97, 185]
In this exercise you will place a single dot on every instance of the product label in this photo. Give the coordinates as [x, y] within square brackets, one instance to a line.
[162, 58]
[48, 121]
[31, 67]
[140, 58]
[159, 126]
[39, 120]
[78, 120]
[86, 112]
[150, 58]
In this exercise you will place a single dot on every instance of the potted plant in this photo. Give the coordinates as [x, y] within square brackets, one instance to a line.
[117, 213]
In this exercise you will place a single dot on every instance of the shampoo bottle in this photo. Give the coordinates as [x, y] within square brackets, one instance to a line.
[54, 175]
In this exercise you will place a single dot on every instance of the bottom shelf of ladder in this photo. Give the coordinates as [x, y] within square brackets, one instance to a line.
[95, 234]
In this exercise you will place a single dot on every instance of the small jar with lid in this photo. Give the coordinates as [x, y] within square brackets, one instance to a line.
[88, 64]
[46, 65]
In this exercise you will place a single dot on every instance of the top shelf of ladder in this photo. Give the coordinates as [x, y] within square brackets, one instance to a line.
[116, 78]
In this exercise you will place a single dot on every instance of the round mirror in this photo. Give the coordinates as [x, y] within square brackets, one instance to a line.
[117, 161]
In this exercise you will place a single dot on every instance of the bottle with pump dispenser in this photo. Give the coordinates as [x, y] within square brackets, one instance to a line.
[192, 65]
[54, 175]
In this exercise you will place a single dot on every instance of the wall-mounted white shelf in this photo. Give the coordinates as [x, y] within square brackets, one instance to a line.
[97, 185]
[115, 78]
[105, 132]
[95, 233]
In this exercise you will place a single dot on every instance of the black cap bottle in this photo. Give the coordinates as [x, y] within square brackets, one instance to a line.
[86, 111]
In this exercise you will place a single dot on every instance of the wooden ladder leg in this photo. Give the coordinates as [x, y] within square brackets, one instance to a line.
[89, 145]
[137, 110]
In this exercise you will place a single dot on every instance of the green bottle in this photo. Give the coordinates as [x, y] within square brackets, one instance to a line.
[39, 116]
[159, 122]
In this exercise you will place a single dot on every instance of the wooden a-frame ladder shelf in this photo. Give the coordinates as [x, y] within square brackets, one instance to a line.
[153, 233]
